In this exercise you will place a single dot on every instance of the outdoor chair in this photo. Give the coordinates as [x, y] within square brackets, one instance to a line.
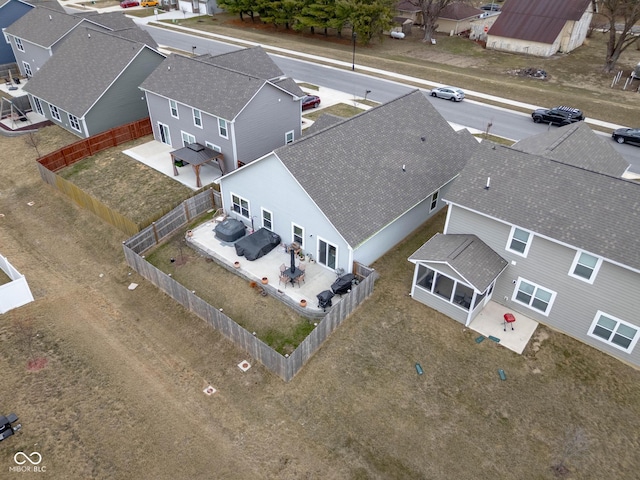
[283, 267]
[302, 266]
[299, 279]
[284, 279]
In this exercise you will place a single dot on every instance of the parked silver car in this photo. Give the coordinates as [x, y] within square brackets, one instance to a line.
[448, 93]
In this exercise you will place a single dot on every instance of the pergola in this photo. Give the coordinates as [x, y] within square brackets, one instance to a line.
[196, 155]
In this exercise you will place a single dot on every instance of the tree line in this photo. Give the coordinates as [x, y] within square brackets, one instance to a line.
[364, 18]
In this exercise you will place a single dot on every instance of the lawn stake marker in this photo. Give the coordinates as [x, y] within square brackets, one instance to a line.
[503, 377]
[419, 369]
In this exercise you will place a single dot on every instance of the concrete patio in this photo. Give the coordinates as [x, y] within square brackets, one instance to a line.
[156, 155]
[490, 322]
[317, 277]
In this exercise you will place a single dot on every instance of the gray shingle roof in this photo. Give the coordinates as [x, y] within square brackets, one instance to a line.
[43, 26]
[324, 120]
[353, 170]
[252, 61]
[112, 20]
[97, 58]
[183, 79]
[588, 210]
[473, 259]
[577, 145]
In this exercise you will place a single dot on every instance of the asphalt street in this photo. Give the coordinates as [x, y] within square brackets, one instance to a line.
[474, 114]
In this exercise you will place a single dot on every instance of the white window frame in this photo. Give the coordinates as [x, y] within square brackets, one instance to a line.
[173, 107]
[594, 324]
[236, 206]
[197, 118]
[19, 44]
[163, 131]
[74, 122]
[213, 147]
[188, 136]
[55, 113]
[295, 236]
[434, 201]
[289, 137]
[533, 296]
[512, 238]
[576, 261]
[267, 223]
[38, 106]
[223, 126]
[27, 69]
[321, 260]
[7, 38]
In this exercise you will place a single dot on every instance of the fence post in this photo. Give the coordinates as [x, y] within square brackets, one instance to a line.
[186, 211]
[155, 232]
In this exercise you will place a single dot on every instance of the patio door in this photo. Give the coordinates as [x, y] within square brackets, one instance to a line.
[163, 131]
[327, 254]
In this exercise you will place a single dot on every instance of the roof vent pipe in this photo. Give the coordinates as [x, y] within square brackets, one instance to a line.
[50, 17]
[403, 168]
[488, 183]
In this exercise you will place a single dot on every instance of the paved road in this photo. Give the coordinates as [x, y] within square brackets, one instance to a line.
[473, 114]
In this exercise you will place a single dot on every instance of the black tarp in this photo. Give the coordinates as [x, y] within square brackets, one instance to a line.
[230, 230]
[343, 284]
[257, 244]
[324, 299]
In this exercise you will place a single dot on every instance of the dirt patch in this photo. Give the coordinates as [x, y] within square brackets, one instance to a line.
[36, 364]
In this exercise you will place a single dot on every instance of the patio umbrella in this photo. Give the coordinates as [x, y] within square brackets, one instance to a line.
[293, 261]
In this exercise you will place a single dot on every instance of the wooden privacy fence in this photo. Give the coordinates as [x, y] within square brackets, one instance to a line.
[284, 367]
[85, 148]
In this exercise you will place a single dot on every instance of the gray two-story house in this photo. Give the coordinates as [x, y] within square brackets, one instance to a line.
[91, 84]
[353, 190]
[37, 35]
[239, 104]
[552, 235]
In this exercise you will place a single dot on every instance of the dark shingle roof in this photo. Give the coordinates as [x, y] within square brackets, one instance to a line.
[585, 209]
[577, 145]
[181, 78]
[324, 120]
[539, 21]
[112, 20]
[43, 26]
[459, 11]
[473, 259]
[252, 61]
[97, 58]
[353, 170]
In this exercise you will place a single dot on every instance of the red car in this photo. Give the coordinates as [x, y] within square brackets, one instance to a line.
[129, 3]
[310, 101]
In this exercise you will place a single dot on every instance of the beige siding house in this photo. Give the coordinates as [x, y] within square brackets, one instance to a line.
[456, 18]
[542, 28]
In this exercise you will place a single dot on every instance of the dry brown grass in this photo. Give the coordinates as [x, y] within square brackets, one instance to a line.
[120, 394]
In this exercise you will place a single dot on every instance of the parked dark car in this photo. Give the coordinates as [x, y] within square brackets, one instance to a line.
[490, 7]
[627, 135]
[557, 115]
[129, 3]
[310, 101]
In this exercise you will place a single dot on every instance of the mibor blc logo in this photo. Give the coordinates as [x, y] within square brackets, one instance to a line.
[28, 463]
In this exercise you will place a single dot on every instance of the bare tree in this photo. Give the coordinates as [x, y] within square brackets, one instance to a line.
[430, 13]
[32, 140]
[575, 443]
[621, 16]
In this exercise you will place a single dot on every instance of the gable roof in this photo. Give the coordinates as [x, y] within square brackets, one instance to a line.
[180, 78]
[95, 57]
[45, 26]
[459, 11]
[469, 256]
[540, 21]
[357, 164]
[324, 120]
[407, 6]
[588, 210]
[576, 144]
